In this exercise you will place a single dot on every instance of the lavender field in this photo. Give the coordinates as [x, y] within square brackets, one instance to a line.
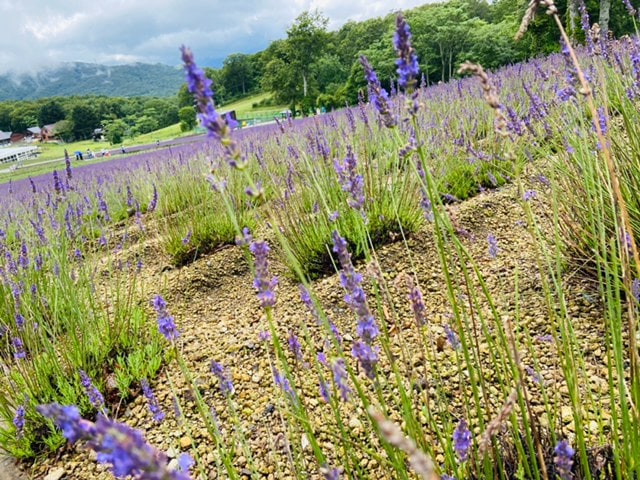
[441, 282]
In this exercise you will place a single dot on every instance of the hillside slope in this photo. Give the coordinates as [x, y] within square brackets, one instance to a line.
[93, 79]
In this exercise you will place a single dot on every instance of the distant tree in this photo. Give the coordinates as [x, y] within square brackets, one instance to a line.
[50, 112]
[185, 99]
[84, 121]
[23, 116]
[306, 39]
[5, 116]
[187, 117]
[64, 130]
[114, 130]
[237, 74]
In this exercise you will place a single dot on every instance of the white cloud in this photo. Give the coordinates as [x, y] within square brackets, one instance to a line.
[120, 31]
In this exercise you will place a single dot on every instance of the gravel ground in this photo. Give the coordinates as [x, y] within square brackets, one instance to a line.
[218, 315]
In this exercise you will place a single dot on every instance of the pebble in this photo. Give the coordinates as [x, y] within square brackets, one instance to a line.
[185, 442]
[55, 474]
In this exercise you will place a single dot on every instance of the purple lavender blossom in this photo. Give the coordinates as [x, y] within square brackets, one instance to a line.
[355, 297]
[563, 458]
[350, 180]
[462, 440]
[329, 473]
[224, 379]
[265, 287]
[282, 382]
[378, 95]
[635, 290]
[153, 203]
[367, 356]
[333, 216]
[94, 395]
[325, 393]
[407, 61]
[340, 378]
[18, 347]
[187, 239]
[493, 246]
[294, 346]
[264, 336]
[152, 401]
[417, 305]
[120, 446]
[18, 421]
[166, 324]
[20, 321]
[185, 462]
[529, 195]
[452, 338]
[216, 126]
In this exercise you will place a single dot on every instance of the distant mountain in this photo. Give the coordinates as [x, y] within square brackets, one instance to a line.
[68, 79]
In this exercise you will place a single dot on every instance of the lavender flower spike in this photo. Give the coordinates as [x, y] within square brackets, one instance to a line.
[378, 95]
[350, 180]
[226, 385]
[200, 86]
[18, 421]
[462, 440]
[407, 61]
[166, 324]
[152, 402]
[563, 458]
[120, 446]
[262, 283]
[94, 395]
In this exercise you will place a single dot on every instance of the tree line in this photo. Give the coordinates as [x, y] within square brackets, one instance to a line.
[76, 117]
[314, 67]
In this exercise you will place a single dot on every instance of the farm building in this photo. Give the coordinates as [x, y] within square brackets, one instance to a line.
[5, 138]
[16, 154]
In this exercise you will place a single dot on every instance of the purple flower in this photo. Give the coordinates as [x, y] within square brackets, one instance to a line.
[367, 356]
[94, 395]
[340, 378]
[18, 347]
[529, 195]
[20, 321]
[185, 462]
[18, 421]
[224, 379]
[154, 200]
[200, 86]
[187, 239]
[417, 305]
[294, 346]
[462, 441]
[325, 393]
[120, 446]
[407, 61]
[152, 402]
[350, 180]
[282, 382]
[563, 458]
[329, 473]
[452, 338]
[378, 95]
[493, 246]
[264, 336]
[166, 324]
[635, 290]
[355, 297]
[265, 287]
[333, 216]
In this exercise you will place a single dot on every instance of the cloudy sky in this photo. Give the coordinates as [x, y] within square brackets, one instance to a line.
[36, 33]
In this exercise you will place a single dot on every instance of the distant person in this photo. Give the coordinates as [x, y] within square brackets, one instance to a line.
[157, 143]
[122, 149]
[89, 154]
